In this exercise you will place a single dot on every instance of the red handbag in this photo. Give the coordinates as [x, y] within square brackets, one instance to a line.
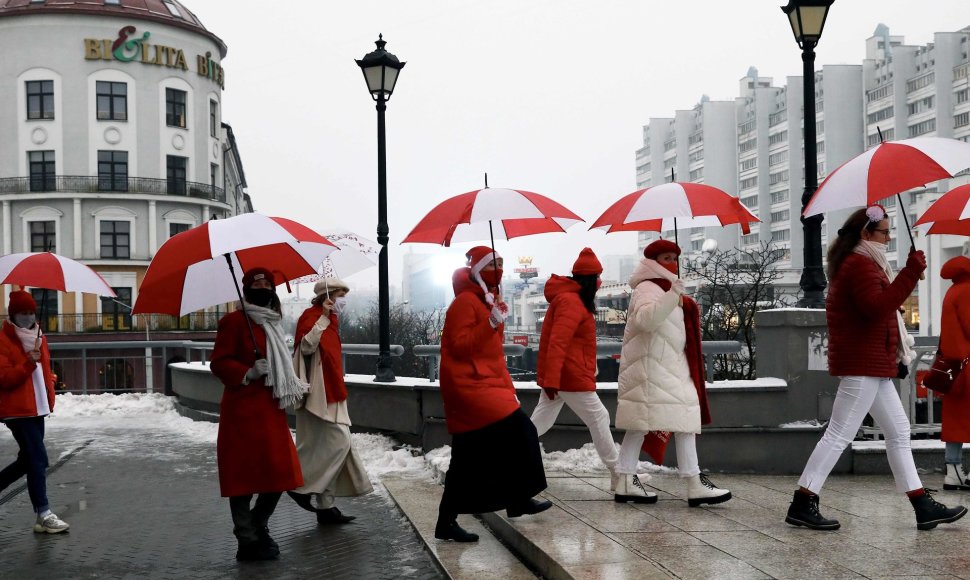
[943, 373]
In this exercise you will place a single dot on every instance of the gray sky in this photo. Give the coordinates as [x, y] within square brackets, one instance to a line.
[544, 95]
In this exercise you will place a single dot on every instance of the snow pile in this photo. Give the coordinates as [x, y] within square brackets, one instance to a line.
[807, 424]
[111, 405]
[381, 456]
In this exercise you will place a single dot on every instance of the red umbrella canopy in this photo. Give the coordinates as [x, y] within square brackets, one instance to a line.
[690, 204]
[51, 271]
[504, 213]
[190, 272]
[948, 215]
[887, 169]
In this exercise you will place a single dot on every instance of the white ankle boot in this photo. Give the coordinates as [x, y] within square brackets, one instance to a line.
[700, 490]
[629, 488]
[956, 477]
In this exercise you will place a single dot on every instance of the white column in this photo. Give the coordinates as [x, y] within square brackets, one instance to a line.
[152, 230]
[7, 229]
[78, 238]
[205, 214]
[78, 311]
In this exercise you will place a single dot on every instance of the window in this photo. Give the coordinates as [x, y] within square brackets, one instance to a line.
[112, 101]
[820, 127]
[880, 93]
[213, 176]
[40, 99]
[112, 170]
[116, 240]
[749, 239]
[175, 167]
[747, 126]
[776, 178]
[643, 168]
[779, 196]
[920, 106]
[922, 127]
[747, 145]
[46, 304]
[748, 164]
[42, 236]
[213, 118]
[881, 114]
[697, 174]
[961, 120]
[695, 156]
[777, 138]
[116, 312]
[175, 108]
[42, 176]
[749, 182]
[918, 83]
[963, 96]
[750, 202]
[780, 235]
[775, 118]
[776, 158]
[172, 9]
[888, 135]
[175, 229]
[780, 216]
[112, 2]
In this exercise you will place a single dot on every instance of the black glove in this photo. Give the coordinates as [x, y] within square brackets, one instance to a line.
[902, 370]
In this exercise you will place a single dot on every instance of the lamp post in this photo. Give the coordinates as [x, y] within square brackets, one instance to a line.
[807, 18]
[380, 70]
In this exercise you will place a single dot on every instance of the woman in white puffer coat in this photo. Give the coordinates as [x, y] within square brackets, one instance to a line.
[661, 382]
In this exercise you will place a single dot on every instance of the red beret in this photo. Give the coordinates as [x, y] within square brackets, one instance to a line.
[21, 301]
[660, 247]
[254, 274]
[587, 264]
[475, 254]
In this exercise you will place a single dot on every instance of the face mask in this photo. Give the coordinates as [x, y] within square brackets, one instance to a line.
[877, 246]
[672, 267]
[259, 296]
[491, 277]
[24, 320]
[339, 304]
[598, 283]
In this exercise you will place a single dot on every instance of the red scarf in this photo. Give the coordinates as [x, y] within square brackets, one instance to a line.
[655, 443]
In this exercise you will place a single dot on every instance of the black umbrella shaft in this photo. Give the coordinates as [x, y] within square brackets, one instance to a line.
[242, 305]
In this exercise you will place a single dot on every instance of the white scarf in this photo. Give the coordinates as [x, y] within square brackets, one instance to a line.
[877, 252]
[28, 339]
[287, 387]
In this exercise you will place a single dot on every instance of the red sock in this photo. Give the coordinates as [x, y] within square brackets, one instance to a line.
[916, 493]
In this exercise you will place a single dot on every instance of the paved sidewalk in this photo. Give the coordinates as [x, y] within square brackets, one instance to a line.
[145, 504]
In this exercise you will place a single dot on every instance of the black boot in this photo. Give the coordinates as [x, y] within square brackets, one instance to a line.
[255, 551]
[332, 515]
[930, 513]
[267, 540]
[447, 529]
[803, 511]
[302, 500]
[528, 508]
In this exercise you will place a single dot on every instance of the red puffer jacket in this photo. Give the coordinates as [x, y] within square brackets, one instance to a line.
[16, 370]
[861, 311]
[955, 343]
[567, 347]
[475, 384]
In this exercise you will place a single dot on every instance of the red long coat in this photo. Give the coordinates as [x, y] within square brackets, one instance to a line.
[16, 370]
[567, 347]
[861, 311]
[475, 384]
[255, 449]
[955, 343]
[330, 352]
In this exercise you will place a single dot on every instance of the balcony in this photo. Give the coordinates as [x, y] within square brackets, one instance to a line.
[124, 322]
[87, 184]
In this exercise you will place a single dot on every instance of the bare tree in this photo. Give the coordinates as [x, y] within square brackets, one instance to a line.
[731, 286]
[408, 328]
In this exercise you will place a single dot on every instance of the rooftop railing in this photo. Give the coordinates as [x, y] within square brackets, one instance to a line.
[120, 185]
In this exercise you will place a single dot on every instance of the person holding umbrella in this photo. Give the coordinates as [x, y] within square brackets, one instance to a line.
[26, 397]
[495, 458]
[661, 383]
[566, 369]
[868, 347]
[254, 447]
[330, 464]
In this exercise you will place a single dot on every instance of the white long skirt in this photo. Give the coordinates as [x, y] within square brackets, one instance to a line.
[330, 464]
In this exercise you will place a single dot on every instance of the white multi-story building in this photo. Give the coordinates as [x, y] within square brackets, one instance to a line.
[113, 139]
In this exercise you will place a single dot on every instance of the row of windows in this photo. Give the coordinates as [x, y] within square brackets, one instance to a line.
[776, 178]
[747, 145]
[777, 138]
[749, 182]
[919, 83]
[880, 93]
[961, 120]
[780, 235]
[924, 104]
[776, 158]
[748, 164]
[115, 237]
[780, 216]
[887, 135]
[963, 96]
[697, 174]
[750, 202]
[112, 171]
[112, 104]
[922, 127]
[775, 118]
[695, 156]
[881, 114]
[779, 196]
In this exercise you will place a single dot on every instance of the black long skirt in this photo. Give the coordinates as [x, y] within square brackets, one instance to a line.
[492, 468]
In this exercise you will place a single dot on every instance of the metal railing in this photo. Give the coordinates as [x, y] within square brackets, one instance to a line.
[120, 185]
[434, 352]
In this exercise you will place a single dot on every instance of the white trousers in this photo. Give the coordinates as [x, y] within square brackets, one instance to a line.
[589, 409]
[684, 443]
[856, 397]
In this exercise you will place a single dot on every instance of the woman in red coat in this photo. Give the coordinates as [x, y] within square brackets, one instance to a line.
[495, 458]
[26, 398]
[955, 344]
[566, 369]
[868, 347]
[254, 447]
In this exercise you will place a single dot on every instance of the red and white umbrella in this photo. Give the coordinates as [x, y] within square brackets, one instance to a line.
[354, 254]
[948, 215]
[190, 271]
[887, 169]
[674, 205]
[53, 272]
[492, 212]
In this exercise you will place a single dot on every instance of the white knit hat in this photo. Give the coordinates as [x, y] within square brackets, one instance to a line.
[328, 285]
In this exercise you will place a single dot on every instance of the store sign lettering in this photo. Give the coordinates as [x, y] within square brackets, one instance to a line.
[130, 47]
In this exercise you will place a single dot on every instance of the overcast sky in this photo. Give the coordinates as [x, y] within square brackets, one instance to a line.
[544, 95]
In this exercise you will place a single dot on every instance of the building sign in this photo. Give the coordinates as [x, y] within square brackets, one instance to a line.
[522, 339]
[525, 270]
[130, 47]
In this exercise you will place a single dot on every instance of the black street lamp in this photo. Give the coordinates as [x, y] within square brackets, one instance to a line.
[807, 18]
[380, 70]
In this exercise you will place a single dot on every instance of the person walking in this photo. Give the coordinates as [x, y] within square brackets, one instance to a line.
[955, 344]
[330, 464]
[495, 458]
[566, 368]
[868, 347]
[255, 451]
[661, 382]
[26, 398]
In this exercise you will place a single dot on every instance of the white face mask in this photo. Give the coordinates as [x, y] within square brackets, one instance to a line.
[339, 304]
[25, 320]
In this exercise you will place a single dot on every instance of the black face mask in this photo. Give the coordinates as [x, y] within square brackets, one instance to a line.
[259, 296]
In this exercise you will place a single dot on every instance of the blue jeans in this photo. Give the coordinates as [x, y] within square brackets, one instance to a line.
[31, 460]
[953, 453]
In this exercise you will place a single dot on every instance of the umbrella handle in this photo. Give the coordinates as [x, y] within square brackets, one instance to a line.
[242, 306]
[902, 212]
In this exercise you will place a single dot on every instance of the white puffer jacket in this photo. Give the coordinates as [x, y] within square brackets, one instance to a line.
[655, 389]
